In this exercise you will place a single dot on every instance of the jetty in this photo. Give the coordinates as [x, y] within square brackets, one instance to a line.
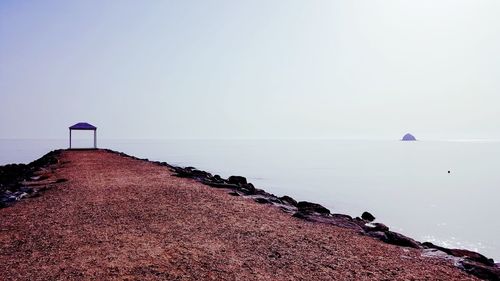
[101, 215]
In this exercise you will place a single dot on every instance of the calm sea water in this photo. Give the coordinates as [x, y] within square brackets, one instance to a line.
[406, 185]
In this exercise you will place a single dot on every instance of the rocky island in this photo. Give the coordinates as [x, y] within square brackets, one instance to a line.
[101, 215]
[408, 137]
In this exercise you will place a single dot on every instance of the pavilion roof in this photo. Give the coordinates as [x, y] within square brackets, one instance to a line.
[83, 126]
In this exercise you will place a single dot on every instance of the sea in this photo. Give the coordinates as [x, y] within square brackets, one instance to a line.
[446, 192]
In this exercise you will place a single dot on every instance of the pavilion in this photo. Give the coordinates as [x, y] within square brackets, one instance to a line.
[85, 127]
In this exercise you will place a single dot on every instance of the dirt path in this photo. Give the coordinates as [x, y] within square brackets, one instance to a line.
[125, 219]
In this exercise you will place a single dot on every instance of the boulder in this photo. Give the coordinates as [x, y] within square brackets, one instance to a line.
[473, 256]
[367, 216]
[234, 193]
[481, 270]
[11, 174]
[26, 189]
[400, 240]
[22, 195]
[344, 221]
[300, 215]
[200, 174]
[308, 207]
[247, 188]
[217, 179]
[342, 216]
[237, 180]
[262, 200]
[380, 235]
[375, 227]
[182, 172]
[288, 209]
[288, 200]
[339, 220]
[191, 172]
[359, 221]
[275, 199]
[220, 185]
[461, 253]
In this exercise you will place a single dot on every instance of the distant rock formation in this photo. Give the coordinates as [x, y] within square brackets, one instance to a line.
[408, 137]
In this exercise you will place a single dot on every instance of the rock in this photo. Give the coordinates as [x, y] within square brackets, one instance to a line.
[275, 199]
[26, 189]
[217, 179]
[300, 215]
[288, 200]
[247, 188]
[380, 235]
[22, 195]
[234, 193]
[339, 220]
[344, 221]
[237, 180]
[61, 180]
[288, 209]
[262, 200]
[191, 172]
[375, 227]
[359, 221]
[182, 173]
[274, 255]
[400, 240]
[367, 216]
[12, 174]
[481, 270]
[473, 256]
[470, 255]
[220, 185]
[44, 176]
[308, 207]
[342, 216]
[262, 192]
[35, 194]
[200, 174]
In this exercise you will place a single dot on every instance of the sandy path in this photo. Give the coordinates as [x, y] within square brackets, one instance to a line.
[125, 219]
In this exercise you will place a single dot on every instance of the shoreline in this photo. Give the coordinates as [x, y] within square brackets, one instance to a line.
[39, 173]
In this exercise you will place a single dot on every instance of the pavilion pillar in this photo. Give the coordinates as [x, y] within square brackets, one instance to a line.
[69, 138]
[95, 139]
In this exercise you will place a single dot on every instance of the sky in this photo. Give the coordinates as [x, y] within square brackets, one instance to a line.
[251, 69]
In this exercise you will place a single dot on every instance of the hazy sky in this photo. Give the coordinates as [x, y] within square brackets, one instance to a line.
[162, 69]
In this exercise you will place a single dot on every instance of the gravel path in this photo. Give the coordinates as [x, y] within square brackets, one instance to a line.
[117, 218]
